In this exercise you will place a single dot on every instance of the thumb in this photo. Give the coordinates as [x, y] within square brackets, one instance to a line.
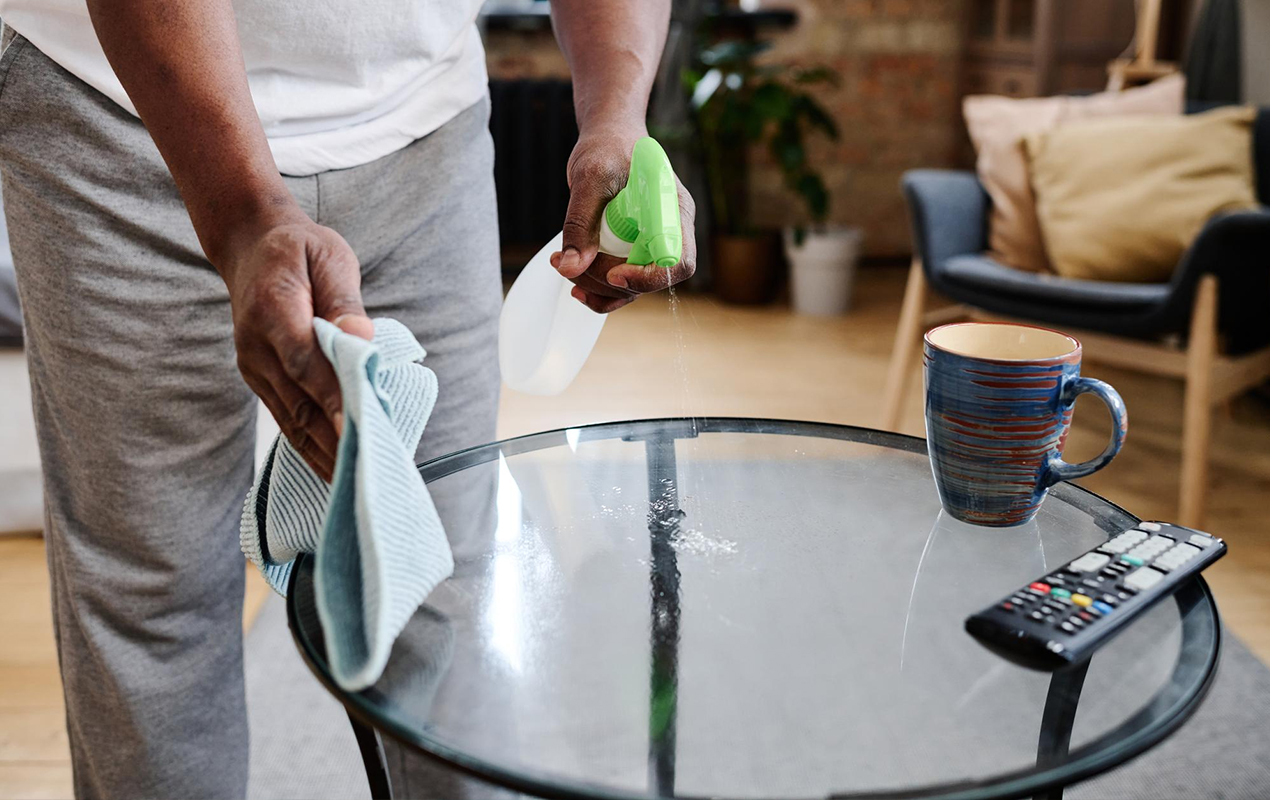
[582, 228]
[356, 324]
[337, 293]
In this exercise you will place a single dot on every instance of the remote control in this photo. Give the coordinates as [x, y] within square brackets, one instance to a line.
[1061, 618]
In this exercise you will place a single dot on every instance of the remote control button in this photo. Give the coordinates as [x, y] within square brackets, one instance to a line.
[1086, 616]
[1094, 583]
[1082, 600]
[1007, 606]
[1067, 627]
[1102, 607]
[1151, 548]
[1089, 562]
[1077, 621]
[1143, 578]
[1060, 593]
[1036, 615]
[1110, 600]
[1122, 543]
[1200, 540]
[1137, 562]
[1042, 588]
[1154, 527]
[1176, 557]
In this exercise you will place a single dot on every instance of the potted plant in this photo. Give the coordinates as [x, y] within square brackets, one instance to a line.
[738, 104]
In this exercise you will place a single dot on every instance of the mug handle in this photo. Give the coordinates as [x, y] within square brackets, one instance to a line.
[1059, 470]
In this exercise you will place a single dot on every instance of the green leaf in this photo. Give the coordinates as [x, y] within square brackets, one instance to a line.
[789, 153]
[817, 116]
[813, 190]
[732, 54]
[773, 101]
[706, 88]
[753, 126]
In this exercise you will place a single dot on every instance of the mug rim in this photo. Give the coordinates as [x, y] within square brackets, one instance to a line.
[1077, 348]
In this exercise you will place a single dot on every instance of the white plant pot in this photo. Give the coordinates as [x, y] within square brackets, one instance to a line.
[822, 269]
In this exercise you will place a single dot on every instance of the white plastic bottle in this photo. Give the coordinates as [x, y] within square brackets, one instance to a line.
[544, 334]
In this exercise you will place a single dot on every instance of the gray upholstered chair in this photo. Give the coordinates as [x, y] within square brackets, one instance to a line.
[1220, 293]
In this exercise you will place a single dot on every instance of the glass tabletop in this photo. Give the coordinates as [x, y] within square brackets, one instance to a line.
[753, 609]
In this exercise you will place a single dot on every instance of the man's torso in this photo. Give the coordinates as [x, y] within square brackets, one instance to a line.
[336, 83]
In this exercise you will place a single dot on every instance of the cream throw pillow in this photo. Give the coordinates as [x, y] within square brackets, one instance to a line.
[1122, 199]
[997, 126]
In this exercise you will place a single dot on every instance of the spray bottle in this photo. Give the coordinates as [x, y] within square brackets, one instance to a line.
[544, 334]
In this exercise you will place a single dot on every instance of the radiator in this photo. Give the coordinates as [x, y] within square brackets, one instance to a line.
[534, 131]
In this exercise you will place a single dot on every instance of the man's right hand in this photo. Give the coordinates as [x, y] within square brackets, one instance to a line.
[280, 277]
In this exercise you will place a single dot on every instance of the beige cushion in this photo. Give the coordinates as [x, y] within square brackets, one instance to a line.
[997, 126]
[1122, 199]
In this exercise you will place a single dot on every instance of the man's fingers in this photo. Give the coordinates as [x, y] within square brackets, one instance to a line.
[304, 364]
[356, 324]
[589, 192]
[322, 462]
[337, 286]
[305, 413]
[643, 279]
[598, 303]
[650, 277]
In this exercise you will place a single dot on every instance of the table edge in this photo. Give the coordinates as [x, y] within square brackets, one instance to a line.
[1089, 761]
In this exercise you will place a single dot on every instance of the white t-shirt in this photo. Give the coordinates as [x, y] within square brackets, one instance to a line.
[337, 83]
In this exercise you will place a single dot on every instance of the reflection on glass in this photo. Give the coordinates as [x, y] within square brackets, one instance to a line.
[830, 567]
[506, 594]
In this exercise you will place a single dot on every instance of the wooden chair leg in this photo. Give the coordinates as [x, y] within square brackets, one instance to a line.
[1197, 420]
[907, 335]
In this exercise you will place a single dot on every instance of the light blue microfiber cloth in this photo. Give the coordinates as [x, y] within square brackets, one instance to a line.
[381, 548]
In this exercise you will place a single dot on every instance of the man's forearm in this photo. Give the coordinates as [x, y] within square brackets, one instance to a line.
[613, 48]
[181, 64]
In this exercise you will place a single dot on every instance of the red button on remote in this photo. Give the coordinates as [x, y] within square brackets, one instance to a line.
[1040, 587]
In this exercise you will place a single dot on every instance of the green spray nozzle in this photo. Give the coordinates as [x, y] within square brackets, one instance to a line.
[646, 212]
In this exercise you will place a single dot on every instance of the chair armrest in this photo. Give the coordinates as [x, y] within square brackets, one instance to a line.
[949, 211]
[1235, 247]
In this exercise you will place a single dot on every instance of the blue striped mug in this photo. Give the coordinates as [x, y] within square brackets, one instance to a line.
[999, 401]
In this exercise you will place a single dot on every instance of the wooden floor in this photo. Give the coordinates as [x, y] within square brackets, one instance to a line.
[707, 358]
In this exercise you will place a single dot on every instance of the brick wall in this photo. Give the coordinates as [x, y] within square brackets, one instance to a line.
[897, 106]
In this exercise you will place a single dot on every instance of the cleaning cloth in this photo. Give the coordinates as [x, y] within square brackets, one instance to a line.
[380, 546]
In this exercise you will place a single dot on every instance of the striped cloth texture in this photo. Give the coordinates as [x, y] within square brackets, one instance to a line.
[379, 543]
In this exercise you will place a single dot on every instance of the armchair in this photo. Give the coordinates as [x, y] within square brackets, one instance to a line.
[1219, 293]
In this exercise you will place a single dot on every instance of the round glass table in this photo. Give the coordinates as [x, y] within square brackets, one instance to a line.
[740, 608]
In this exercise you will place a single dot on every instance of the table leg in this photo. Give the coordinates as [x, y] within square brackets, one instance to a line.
[664, 516]
[372, 759]
[1057, 720]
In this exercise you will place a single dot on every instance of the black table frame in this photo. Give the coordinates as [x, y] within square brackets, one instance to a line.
[1057, 719]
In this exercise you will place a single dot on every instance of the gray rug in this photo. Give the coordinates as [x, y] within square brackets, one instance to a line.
[302, 746]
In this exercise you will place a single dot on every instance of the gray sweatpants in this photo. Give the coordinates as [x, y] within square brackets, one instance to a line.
[146, 429]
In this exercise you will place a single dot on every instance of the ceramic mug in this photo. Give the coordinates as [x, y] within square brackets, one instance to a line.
[999, 403]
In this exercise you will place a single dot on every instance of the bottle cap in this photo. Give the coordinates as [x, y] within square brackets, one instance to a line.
[646, 212]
